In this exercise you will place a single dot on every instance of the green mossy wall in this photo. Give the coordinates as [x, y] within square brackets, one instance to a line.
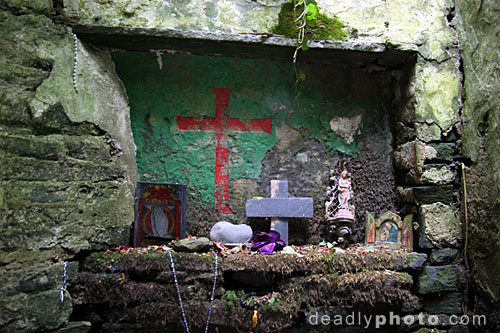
[183, 86]
[479, 40]
[61, 192]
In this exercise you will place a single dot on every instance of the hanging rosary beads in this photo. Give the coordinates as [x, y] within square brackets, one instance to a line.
[63, 287]
[254, 303]
[75, 62]
[184, 319]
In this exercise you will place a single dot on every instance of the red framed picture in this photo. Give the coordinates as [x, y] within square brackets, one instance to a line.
[160, 213]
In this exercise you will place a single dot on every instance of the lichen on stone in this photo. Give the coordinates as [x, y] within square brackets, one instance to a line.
[441, 225]
[438, 93]
[438, 175]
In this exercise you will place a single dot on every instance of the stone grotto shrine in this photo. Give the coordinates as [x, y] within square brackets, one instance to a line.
[119, 115]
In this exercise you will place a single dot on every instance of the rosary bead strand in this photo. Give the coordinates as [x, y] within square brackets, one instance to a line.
[213, 292]
[75, 63]
[178, 292]
[63, 288]
[184, 318]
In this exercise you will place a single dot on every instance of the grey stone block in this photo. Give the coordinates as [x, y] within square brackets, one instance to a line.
[431, 194]
[444, 303]
[417, 260]
[280, 207]
[435, 279]
[443, 256]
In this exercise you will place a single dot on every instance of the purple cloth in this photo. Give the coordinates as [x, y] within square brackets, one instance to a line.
[267, 242]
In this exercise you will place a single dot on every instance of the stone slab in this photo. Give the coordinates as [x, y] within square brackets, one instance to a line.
[436, 279]
[431, 194]
[445, 303]
[280, 207]
[443, 256]
[354, 52]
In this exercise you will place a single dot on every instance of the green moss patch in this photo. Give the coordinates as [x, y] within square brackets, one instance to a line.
[284, 264]
[138, 288]
[319, 27]
[347, 290]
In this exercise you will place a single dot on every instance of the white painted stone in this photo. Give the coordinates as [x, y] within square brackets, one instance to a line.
[228, 233]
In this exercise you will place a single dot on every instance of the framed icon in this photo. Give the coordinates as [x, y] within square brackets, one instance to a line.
[389, 231]
[160, 212]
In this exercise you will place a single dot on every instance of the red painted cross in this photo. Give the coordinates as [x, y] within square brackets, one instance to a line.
[222, 124]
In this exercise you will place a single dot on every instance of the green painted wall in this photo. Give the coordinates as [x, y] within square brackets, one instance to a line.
[260, 89]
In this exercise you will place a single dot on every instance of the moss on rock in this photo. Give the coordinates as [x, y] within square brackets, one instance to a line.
[60, 190]
[478, 33]
[320, 27]
[436, 279]
[438, 93]
[137, 289]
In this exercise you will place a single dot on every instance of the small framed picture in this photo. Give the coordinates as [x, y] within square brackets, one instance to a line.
[389, 231]
[160, 213]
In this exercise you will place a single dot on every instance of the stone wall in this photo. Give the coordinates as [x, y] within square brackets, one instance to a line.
[66, 192]
[61, 193]
[481, 143]
[134, 291]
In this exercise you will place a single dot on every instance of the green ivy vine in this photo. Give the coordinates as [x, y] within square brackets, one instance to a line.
[302, 20]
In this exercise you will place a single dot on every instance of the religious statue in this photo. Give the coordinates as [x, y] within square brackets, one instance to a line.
[338, 208]
[338, 204]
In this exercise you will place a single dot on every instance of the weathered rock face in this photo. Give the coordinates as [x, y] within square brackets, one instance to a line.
[481, 120]
[215, 16]
[61, 191]
[440, 225]
[399, 23]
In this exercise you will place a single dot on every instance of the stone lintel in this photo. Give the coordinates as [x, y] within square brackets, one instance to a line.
[354, 53]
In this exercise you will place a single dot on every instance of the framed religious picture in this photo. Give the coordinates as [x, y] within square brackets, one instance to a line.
[160, 213]
[389, 231]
